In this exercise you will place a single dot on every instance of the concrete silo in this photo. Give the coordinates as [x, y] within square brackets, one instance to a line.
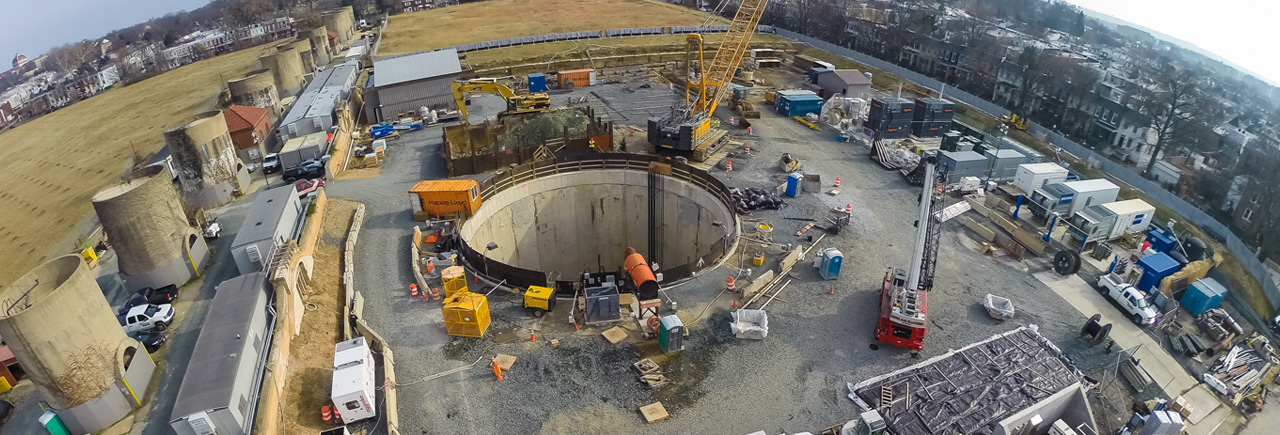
[320, 52]
[256, 89]
[209, 172]
[303, 47]
[341, 22]
[149, 231]
[66, 337]
[286, 67]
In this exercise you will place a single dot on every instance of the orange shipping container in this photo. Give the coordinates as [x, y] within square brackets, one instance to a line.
[579, 77]
[437, 198]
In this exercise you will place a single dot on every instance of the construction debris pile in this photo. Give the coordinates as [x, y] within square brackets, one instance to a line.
[1240, 370]
[751, 199]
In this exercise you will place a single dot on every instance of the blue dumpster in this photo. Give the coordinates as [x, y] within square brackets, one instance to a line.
[1155, 268]
[537, 82]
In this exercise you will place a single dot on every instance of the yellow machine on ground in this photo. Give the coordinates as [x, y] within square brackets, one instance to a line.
[539, 299]
[690, 128]
[1015, 120]
[537, 102]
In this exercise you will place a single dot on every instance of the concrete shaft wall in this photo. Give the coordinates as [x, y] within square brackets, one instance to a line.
[303, 47]
[320, 52]
[145, 221]
[205, 159]
[256, 89]
[583, 221]
[59, 325]
[286, 66]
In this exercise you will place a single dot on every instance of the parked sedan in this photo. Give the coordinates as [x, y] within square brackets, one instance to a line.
[305, 187]
[151, 340]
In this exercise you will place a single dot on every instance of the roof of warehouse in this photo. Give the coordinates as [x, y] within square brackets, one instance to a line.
[963, 156]
[972, 389]
[1094, 184]
[1006, 154]
[417, 66]
[318, 98]
[264, 215]
[211, 374]
[850, 76]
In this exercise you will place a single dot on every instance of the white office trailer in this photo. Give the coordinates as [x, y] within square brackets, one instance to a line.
[1071, 197]
[1032, 176]
[353, 378]
[1105, 222]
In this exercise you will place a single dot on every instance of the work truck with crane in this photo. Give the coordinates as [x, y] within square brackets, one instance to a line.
[904, 294]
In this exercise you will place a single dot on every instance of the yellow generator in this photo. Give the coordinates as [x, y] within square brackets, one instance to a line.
[466, 314]
[539, 299]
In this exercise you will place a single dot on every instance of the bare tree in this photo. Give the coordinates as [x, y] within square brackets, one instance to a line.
[246, 12]
[1178, 111]
[1032, 74]
[74, 56]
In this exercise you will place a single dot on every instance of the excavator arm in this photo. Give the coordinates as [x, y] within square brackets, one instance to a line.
[515, 103]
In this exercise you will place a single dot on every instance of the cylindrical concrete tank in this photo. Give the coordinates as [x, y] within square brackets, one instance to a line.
[149, 231]
[286, 67]
[64, 334]
[321, 53]
[303, 47]
[257, 89]
[205, 160]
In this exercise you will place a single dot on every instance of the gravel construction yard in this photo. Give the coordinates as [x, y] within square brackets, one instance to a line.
[44, 194]
[485, 21]
[793, 381]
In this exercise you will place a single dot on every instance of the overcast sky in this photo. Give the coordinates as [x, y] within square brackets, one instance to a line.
[32, 27]
[1237, 30]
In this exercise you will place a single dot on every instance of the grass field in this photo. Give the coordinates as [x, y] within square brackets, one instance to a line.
[600, 50]
[499, 19]
[51, 166]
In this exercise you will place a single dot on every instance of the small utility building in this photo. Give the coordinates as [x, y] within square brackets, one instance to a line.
[408, 82]
[273, 219]
[249, 127]
[218, 391]
[849, 83]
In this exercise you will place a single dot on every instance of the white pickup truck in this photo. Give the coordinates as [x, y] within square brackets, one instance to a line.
[148, 317]
[1130, 299]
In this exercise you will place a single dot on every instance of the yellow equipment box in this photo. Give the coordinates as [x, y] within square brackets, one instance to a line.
[466, 314]
[454, 279]
[539, 300]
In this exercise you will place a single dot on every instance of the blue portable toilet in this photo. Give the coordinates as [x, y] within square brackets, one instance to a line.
[1155, 268]
[537, 82]
[1160, 240]
[793, 184]
[1203, 295]
[829, 263]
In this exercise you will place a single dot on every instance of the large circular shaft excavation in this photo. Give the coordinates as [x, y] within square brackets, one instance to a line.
[567, 223]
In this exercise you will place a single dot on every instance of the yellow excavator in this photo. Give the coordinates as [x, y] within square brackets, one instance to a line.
[1015, 120]
[692, 128]
[536, 102]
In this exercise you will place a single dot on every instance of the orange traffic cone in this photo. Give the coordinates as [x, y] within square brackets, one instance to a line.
[729, 287]
[497, 371]
[435, 294]
[413, 290]
[837, 181]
